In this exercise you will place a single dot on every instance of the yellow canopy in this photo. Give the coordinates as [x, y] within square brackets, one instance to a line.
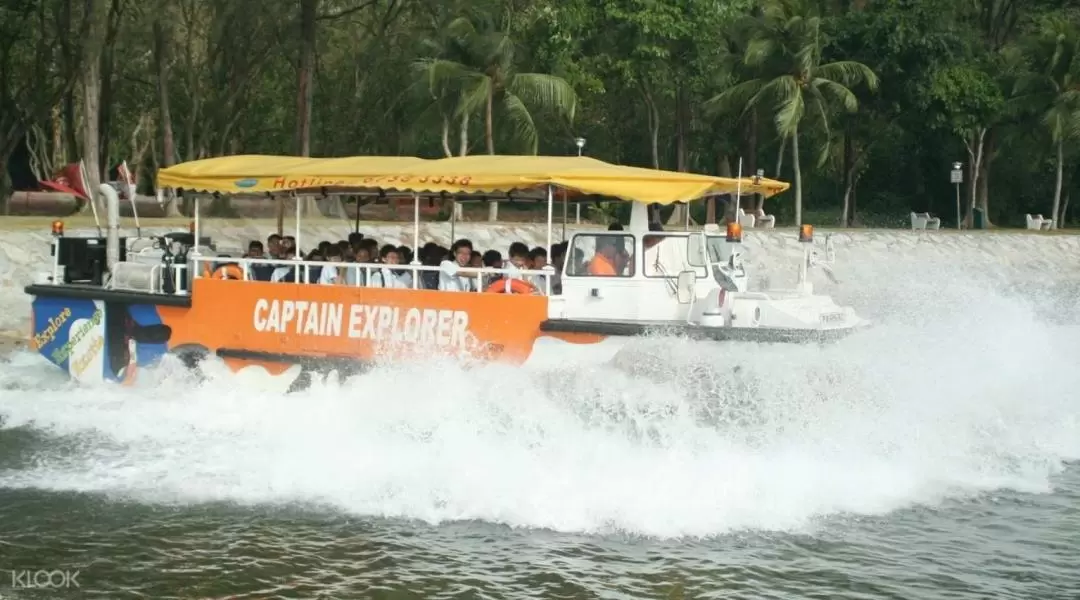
[254, 173]
[477, 174]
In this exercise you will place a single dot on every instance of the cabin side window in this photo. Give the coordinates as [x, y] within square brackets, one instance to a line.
[665, 255]
[695, 250]
[601, 255]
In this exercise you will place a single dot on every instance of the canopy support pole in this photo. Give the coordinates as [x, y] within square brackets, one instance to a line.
[416, 225]
[356, 226]
[453, 219]
[564, 216]
[738, 192]
[297, 200]
[195, 243]
[551, 209]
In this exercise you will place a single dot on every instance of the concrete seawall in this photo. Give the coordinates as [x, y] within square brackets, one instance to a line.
[863, 256]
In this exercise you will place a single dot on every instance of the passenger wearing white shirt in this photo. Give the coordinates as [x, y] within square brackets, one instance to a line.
[357, 276]
[386, 276]
[332, 275]
[286, 273]
[450, 278]
[538, 259]
[517, 260]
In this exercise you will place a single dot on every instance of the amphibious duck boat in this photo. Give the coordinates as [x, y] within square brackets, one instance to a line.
[111, 306]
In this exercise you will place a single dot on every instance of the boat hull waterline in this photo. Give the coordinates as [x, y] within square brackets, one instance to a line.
[293, 330]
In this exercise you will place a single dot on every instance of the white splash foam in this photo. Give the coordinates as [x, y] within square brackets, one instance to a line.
[960, 390]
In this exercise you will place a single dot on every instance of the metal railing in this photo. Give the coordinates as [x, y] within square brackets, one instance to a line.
[304, 270]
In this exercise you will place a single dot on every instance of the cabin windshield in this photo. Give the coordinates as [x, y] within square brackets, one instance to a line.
[716, 250]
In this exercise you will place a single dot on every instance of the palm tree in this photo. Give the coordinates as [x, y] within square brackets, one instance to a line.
[785, 50]
[1052, 90]
[479, 64]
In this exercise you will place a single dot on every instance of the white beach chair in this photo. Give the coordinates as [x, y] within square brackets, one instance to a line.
[747, 221]
[1038, 223]
[763, 220]
[924, 221]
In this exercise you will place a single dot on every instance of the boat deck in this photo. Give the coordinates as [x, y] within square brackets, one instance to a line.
[695, 332]
[97, 292]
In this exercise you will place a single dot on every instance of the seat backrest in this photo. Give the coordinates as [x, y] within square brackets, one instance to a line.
[136, 276]
[140, 245]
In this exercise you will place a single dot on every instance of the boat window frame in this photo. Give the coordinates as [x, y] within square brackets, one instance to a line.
[705, 249]
[701, 270]
[631, 264]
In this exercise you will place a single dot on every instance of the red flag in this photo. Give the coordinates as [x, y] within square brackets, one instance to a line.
[127, 176]
[69, 180]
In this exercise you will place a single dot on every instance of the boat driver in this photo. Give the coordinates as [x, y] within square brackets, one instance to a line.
[603, 262]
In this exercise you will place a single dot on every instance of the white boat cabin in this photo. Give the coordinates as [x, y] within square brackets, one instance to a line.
[640, 275]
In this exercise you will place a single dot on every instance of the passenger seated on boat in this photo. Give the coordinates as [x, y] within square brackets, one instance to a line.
[558, 253]
[258, 271]
[354, 241]
[255, 250]
[405, 255]
[517, 260]
[476, 260]
[450, 278]
[538, 258]
[331, 275]
[537, 261]
[273, 246]
[518, 256]
[431, 255]
[492, 260]
[386, 277]
[372, 247]
[286, 273]
[346, 251]
[313, 273]
[354, 276]
[288, 242]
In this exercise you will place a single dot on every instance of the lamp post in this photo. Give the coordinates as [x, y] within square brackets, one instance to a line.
[580, 143]
[957, 177]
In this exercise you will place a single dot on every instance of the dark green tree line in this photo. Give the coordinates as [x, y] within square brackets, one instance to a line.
[863, 105]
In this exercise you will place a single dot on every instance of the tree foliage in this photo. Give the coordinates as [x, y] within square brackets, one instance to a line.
[881, 97]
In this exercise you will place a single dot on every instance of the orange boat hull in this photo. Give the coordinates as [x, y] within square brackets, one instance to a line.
[286, 329]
